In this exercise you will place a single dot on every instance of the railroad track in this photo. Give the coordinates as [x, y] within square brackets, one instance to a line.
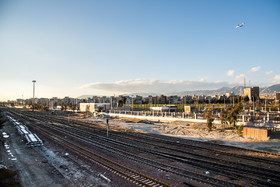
[159, 166]
[162, 154]
[226, 169]
[116, 168]
[196, 146]
[164, 140]
[204, 179]
[127, 173]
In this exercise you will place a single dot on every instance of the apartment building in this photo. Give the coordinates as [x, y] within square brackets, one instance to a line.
[253, 93]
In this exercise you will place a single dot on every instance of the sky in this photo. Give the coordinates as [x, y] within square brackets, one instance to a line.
[107, 47]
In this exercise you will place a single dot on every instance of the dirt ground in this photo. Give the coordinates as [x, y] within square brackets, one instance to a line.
[44, 166]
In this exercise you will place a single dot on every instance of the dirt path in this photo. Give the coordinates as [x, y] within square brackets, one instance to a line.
[43, 166]
[33, 169]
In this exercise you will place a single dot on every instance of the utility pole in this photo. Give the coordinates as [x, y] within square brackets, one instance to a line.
[265, 104]
[253, 106]
[132, 102]
[111, 102]
[34, 81]
[107, 122]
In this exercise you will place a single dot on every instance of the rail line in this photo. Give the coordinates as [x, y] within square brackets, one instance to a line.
[127, 173]
[214, 166]
[167, 168]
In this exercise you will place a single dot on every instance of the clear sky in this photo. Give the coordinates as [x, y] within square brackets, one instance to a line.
[109, 47]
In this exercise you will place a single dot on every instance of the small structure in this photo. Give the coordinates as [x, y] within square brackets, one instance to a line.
[94, 107]
[256, 133]
[169, 108]
[160, 109]
[189, 109]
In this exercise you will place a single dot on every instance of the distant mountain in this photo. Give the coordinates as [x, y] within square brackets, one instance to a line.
[85, 96]
[145, 94]
[270, 90]
[238, 90]
[221, 91]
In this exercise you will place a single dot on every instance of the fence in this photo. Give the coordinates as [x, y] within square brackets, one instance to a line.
[256, 118]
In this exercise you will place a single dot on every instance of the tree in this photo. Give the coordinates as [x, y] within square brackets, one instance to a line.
[209, 119]
[63, 106]
[246, 98]
[232, 114]
[223, 117]
[74, 106]
[70, 105]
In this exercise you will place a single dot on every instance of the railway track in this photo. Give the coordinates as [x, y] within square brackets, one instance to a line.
[159, 166]
[118, 169]
[227, 169]
[155, 141]
[200, 145]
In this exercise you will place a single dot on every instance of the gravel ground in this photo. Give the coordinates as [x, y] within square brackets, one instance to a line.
[52, 165]
[48, 165]
[199, 132]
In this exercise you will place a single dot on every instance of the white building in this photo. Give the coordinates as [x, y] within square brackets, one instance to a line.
[94, 107]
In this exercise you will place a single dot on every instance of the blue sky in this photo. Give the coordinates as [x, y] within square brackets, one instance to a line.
[111, 47]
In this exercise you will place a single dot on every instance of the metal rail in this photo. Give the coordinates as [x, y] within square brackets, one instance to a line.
[151, 138]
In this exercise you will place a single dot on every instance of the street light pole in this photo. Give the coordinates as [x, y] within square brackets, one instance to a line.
[34, 81]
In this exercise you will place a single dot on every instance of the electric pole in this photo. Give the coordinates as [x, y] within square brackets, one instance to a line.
[34, 81]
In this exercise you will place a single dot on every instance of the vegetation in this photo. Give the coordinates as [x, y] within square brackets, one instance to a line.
[223, 116]
[246, 98]
[240, 130]
[210, 118]
[233, 113]
[63, 106]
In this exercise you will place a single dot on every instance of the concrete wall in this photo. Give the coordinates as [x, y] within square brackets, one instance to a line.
[153, 118]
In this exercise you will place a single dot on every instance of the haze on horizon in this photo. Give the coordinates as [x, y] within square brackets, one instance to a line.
[91, 47]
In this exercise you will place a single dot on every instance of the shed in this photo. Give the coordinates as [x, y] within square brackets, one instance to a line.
[256, 133]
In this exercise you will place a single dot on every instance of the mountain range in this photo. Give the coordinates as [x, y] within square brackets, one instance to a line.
[238, 90]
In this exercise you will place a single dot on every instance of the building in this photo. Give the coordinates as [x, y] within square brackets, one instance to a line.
[94, 107]
[253, 93]
[174, 99]
[186, 99]
[168, 108]
[230, 94]
[277, 96]
[163, 99]
[138, 99]
[189, 109]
